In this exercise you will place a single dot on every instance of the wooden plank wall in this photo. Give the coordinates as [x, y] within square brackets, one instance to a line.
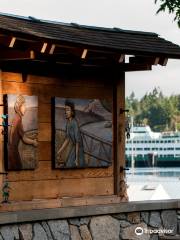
[44, 182]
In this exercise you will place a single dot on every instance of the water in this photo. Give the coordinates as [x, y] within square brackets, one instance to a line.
[158, 183]
[156, 171]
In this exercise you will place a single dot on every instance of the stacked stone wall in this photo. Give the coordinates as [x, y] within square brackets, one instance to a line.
[145, 225]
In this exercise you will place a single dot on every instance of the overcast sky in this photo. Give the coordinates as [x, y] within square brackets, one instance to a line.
[128, 14]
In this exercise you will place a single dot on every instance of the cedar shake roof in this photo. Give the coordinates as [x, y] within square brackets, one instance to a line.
[113, 39]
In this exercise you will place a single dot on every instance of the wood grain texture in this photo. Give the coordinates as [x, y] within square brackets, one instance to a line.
[44, 132]
[57, 203]
[13, 77]
[71, 80]
[44, 189]
[86, 187]
[84, 201]
[45, 182]
[121, 132]
[29, 205]
[45, 172]
[29, 190]
[58, 91]
[44, 151]
[44, 113]
[119, 129]
[1, 137]
[44, 99]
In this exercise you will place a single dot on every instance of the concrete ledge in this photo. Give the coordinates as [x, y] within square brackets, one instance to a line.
[81, 211]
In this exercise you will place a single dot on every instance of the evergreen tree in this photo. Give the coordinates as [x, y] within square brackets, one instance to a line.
[156, 110]
[173, 6]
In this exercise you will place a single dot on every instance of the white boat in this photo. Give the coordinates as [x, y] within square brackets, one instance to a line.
[146, 148]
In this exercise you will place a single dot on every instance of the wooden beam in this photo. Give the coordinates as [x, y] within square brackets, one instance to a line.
[44, 46]
[49, 68]
[83, 56]
[116, 138]
[21, 44]
[24, 44]
[121, 58]
[163, 61]
[156, 61]
[12, 42]
[32, 55]
[1, 136]
[119, 136]
[127, 67]
[12, 54]
[36, 44]
[144, 60]
[73, 58]
[149, 60]
[52, 49]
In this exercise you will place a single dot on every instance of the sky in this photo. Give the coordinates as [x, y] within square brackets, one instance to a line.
[128, 14]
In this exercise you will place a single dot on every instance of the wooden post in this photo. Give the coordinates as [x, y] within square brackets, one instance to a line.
[119, 136]
[1, 137]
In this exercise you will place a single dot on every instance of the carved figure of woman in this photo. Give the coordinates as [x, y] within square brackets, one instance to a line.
[73, 137]
[16, 134]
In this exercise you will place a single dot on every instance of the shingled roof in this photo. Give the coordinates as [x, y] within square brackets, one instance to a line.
[114, 39]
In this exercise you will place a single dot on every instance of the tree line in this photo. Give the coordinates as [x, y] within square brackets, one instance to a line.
[161, 113]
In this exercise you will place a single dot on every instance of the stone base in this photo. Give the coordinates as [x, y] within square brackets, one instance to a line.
[139, 225]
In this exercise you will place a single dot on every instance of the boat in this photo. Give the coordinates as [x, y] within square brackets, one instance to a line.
[146, 148]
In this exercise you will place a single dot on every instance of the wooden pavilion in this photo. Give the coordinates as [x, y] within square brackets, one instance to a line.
[48, 59]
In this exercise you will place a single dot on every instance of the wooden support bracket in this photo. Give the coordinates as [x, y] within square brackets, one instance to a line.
[12, 54]
[144, 60]
[163, 61]
[129, 67]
